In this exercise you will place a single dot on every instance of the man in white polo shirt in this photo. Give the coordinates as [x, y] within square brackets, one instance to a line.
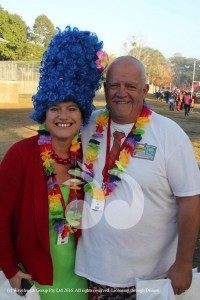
[141, 214]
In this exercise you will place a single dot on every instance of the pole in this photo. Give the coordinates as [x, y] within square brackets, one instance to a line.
[193, 78]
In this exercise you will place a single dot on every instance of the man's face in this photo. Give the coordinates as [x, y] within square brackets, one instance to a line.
[125, 91]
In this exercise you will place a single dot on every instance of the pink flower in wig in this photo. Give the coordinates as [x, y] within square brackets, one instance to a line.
[102, 62]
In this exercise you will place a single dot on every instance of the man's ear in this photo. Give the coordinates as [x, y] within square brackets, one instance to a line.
[105, 90]
[146, 89]
[104, 86]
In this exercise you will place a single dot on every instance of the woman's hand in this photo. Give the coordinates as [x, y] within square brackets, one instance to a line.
[15, 282]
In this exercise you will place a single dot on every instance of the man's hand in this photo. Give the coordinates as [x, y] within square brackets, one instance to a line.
[181, 277]
[180, 272]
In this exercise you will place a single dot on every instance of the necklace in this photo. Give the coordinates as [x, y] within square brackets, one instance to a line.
[71, 217]
[112, 176]
[59, 159]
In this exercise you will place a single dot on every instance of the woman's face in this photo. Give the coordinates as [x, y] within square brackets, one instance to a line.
[63, 120]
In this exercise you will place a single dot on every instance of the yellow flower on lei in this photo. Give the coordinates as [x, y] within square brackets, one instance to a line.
[124, 157]
[75, 187]
[102, 119]
[54, 198]
[48, 162]
[54, 202]
[53, 206]
[120, 165]
[91, 154]
[142, 121]
[46, 155]
[123, 161]
[75, 147]
[98, 193]
[75, 139]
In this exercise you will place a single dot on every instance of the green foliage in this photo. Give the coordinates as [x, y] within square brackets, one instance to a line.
[33, 52]
[43, 30]
[12, 29]
[23, 42]
[158, 67]
[183, 69]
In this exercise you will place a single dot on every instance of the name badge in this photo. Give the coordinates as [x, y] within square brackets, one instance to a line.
[61, 241]
[97, 204]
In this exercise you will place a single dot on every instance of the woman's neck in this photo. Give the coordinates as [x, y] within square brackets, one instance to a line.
[61, 148]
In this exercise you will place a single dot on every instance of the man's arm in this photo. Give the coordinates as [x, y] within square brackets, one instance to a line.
[180, 272]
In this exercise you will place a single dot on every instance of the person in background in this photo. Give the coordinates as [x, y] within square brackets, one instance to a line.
[167, 95]
[39, 189]
[171, 101]
[187, 102]
[141, 209]
[193, 101]
[178, 107]
[182, 93]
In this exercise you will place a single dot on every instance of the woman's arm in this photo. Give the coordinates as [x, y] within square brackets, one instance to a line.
[11, 181]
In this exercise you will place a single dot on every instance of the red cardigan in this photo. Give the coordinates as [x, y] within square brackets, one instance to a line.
[24, 220]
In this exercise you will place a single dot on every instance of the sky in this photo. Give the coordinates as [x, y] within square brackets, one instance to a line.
[170, 26]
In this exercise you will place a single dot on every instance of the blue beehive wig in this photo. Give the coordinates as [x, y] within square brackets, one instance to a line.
[68, 73]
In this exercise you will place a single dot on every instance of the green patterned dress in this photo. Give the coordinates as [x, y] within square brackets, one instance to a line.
[66, 284]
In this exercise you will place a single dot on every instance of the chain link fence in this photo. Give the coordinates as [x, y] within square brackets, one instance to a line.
[18, 78]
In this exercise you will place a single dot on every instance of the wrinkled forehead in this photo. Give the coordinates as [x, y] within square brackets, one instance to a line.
[124, 71]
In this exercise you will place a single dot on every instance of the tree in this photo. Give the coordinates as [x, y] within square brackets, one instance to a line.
[19, 47]
[29, 34]
[12, 29]
[43, 30]
[134, 47]
[33, 52]
[183, 69]
[157, 66]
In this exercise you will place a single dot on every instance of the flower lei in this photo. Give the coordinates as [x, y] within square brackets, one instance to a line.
[72, 219]
[92, 151]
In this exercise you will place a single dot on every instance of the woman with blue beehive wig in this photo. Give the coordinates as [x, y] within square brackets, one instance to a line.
[44, 211]
[71, 70]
